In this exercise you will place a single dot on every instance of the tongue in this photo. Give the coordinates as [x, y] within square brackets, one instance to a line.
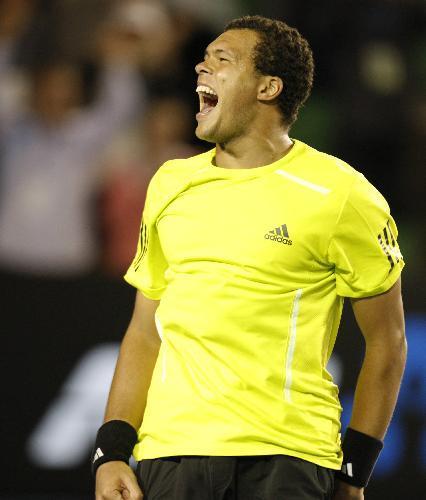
[209, 103]
[207, 109]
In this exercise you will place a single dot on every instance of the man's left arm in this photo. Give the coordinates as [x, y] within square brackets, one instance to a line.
[381, 321]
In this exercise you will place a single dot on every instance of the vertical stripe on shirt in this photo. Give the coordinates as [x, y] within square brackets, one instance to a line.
[291, 344]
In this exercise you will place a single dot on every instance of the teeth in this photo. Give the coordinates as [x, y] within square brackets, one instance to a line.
[206, 90]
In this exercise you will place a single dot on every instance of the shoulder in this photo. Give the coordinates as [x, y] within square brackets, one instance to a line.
[173, 177]
[178, 170]
[185, 166]
[334, 171]
[339, 177]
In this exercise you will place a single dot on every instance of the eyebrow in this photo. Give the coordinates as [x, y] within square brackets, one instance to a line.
[219, 51]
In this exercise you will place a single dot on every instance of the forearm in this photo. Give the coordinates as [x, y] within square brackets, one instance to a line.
[120, 94]
[132, 377]
[377, 387]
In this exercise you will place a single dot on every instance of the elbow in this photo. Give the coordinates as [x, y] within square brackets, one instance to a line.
[403, 350]
[399, 347]
[394, 365]
[390, 356]
[398, 353]
[397, 358]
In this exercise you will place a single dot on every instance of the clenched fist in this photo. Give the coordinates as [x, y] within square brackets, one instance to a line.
[116, 481]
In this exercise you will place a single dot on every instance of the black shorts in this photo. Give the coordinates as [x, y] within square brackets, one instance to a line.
[270, 477]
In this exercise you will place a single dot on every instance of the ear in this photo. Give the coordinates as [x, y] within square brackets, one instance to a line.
[270, 88]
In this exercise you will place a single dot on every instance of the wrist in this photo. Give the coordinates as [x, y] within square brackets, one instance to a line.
[360, 453]
[346, 487]
[115, 441]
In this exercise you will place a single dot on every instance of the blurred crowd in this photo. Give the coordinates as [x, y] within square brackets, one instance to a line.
[94, 96]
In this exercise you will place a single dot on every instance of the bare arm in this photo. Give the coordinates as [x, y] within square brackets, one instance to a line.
[381, 320]
[136, 361]
[128, 393]
[120, 96]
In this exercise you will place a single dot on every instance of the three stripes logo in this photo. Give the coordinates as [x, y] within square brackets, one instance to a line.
[279, 234]
[99, 454]
[143, 246]
[347, 469]
[389, 246]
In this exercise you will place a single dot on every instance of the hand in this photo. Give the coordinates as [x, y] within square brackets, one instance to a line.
[344, 491]
[116, 481]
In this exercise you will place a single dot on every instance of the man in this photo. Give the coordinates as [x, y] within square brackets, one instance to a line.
[245, 255]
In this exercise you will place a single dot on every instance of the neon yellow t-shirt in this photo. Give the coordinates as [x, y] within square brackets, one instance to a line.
[251, 266]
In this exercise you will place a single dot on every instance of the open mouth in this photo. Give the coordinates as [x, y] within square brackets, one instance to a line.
[208, 99]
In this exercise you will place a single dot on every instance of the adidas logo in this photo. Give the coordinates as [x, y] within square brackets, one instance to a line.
[98, 455]
[279, 234]
[347, 469]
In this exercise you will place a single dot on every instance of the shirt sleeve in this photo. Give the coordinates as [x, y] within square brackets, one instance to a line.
[146, 272]
[364, 248]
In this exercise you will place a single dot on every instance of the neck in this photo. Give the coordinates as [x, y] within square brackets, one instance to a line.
[253, 150]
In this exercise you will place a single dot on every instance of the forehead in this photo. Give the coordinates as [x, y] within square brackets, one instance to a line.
[240, 42]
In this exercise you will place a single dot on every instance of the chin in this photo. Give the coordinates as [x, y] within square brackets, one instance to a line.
[204, 135]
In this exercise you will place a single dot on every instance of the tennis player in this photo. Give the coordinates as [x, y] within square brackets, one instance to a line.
[246, 252]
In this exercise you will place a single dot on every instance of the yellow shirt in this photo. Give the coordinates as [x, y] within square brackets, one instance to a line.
[251, 266]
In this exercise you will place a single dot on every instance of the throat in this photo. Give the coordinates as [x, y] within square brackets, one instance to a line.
[247, 153]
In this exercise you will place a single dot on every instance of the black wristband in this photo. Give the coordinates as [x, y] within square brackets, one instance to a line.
[360, 453]
[115, 441]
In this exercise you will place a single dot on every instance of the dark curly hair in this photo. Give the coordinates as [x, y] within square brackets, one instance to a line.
[282, 52]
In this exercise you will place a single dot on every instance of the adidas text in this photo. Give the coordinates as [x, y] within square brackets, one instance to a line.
[279, 239]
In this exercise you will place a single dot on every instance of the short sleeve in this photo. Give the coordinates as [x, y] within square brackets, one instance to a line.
[363, 247]
[146, 272]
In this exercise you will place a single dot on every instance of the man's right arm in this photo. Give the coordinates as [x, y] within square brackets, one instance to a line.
[136, 361]
[128, 394]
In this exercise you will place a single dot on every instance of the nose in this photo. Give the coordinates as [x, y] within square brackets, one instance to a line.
[202, 67]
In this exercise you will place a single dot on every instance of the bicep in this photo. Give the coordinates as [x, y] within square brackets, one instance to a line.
[381, 317]
[143, 318]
